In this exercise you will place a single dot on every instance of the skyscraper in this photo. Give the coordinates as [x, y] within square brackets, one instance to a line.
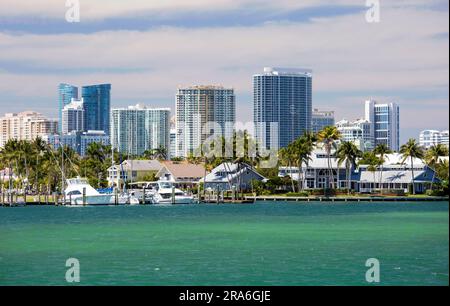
[73, 117]
[321, 119]
[25, 126]
[358, 132]
[429, 138]
[203, 112]
[66, 93]
[282, 106]
[136, 129]
[97, 102]
[385, 123]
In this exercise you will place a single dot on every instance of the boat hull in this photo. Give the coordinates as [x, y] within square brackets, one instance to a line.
[93, 200]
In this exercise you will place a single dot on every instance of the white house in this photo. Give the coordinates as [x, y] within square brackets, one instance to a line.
[395, 174]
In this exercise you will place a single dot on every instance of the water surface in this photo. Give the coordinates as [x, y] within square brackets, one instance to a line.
[261, 244]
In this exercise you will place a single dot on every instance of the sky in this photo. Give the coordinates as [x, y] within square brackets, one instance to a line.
[148, 48]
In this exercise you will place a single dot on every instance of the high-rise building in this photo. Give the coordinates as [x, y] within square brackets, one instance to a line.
[25, 126]
[357, 132]
[77, 141]
[203, 112]
[73, 117]
[385, 123]
[429, 138]
[66, 93]
[321, 119]
[445, 138]
[137, 129]
[282, 106]
[173, 143]
[97, 101]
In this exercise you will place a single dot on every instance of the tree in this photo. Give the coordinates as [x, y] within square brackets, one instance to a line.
[382, 150]
[302, 150]
[348, 152]
[286, 157]
[158, 153]
[412, 150]
[433, 156]
[328, 137]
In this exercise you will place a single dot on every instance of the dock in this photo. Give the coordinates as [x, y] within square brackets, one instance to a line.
[345, 199]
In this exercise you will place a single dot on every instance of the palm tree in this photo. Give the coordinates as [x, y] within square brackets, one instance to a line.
[286, 157]
[433, 156]
[303, 148]
[382, 150]
[412, 150]
[348, 152]
[328, 137]
[158, 153]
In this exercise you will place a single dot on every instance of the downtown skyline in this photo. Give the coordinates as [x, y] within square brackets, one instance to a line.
[402, 59]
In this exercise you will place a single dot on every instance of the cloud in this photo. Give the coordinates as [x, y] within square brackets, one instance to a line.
[406, 54]
[92, 10]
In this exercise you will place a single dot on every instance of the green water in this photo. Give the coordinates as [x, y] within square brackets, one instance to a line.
[261, 244]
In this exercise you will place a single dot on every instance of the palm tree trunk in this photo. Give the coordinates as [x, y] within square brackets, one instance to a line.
[381, 180]
[348, 178]
[292, 179]
[413, 181]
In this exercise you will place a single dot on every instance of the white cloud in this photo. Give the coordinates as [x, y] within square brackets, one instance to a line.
[402, 53]
[100, 9]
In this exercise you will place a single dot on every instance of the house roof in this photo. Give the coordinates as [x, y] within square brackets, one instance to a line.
[182, 169]
[139, 165]
[400, 176]
[226, 172]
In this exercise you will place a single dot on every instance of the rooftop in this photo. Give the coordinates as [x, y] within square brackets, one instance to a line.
[287, 71]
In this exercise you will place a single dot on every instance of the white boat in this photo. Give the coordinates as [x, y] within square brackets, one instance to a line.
[79, 192]
[125, 198]
[162, 192]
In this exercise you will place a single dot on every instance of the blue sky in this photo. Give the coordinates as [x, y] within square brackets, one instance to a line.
[146, 49]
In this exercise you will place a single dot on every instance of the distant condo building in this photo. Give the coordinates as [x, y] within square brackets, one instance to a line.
[137, 129]
[77, 141]
[203, 112]
[173, 143]
[97, 101]
[66, 93]
[429, 138]
[321, 119]
[357, 132]
[282, 107]
[385, 123]
[73, 117]
[25, 126]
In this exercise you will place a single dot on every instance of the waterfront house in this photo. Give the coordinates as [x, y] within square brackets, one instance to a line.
[228, 175]
[132, 171]
[395, 175]
[315, 174]
[183, 173]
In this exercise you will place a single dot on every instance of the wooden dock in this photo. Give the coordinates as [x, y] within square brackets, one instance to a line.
[346, 199]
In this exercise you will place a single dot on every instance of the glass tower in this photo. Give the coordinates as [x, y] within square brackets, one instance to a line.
[282, 106]
[97, 107]
[203, 112]
[385, 123]
[136, 129]
[66, 93]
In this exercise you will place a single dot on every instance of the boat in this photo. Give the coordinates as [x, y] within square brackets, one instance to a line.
[161, 193]
[79, 192]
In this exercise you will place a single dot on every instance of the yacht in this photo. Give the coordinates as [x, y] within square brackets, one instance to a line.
[76, 187]
[162, 192]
